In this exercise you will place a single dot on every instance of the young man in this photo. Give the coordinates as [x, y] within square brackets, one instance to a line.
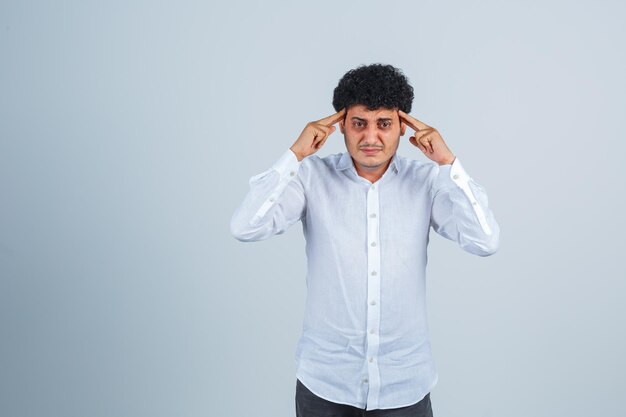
[366, 216]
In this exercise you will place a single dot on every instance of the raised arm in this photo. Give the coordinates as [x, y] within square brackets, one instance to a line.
[275, 201]
[276, 198]
[460, 210]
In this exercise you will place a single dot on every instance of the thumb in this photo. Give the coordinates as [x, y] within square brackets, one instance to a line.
[319, 144]
[416, 143]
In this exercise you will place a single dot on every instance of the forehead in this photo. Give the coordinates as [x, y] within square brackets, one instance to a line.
[361, 111]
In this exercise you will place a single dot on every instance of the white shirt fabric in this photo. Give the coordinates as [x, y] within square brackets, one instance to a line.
[365, 337]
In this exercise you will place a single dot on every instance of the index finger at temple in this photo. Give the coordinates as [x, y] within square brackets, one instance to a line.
[412, 121]
[333, 118]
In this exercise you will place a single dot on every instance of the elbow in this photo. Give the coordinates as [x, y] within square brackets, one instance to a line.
[239, 235]
[242, 230]
[238, 231]
[485, 245]
[242, 235]
[487, 250]
[490, 245]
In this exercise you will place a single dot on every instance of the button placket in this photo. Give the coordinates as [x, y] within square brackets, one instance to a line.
[373, 294]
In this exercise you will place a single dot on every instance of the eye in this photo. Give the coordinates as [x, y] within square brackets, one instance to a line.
[357, 124]
[385, 124]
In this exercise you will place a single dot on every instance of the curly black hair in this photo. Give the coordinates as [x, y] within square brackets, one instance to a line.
[375, 86]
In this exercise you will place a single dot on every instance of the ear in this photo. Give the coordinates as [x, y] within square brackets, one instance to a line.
[402, 128]
[342, 127]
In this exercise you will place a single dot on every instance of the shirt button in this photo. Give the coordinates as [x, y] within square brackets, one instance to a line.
[371, 331]
[292, 173]
[371, 359]
[455, 176]
[373, 302]
[271, 199]
[473, 202]
[374, 272]
[373, 215]
[373, 243]
[365, 380]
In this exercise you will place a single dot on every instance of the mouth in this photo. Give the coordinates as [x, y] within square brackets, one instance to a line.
[370, 151]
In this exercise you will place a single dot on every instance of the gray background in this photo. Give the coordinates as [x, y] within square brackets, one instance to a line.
[128, 133]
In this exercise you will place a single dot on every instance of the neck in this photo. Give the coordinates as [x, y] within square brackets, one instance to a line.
[371, 174]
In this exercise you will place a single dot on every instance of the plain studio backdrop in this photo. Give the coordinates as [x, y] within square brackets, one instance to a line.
[128, 134]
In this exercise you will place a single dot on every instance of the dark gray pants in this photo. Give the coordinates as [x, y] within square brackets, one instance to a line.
[310, 405]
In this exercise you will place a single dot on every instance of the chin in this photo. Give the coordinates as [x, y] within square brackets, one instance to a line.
[370, 162]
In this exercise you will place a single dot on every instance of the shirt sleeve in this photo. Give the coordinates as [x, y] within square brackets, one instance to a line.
[275, 201]
[460, 211]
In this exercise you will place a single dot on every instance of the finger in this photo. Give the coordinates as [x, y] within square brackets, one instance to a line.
[422, 133]
[328, 131]
[323, 130]
[429, 144]
[333, 118]
[426, 137]
[426, 142]
[322, 127]
[321, 143]
[416, 143]
[412, 121]
[320, 135]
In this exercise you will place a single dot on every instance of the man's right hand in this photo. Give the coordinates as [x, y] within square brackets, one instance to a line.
[315, 134]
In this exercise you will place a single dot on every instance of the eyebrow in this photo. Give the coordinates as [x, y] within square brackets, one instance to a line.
[380, 119]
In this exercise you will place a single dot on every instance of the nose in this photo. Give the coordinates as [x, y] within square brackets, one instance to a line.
[371, 135]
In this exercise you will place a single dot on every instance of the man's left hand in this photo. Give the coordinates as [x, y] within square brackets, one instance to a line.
[428, 140]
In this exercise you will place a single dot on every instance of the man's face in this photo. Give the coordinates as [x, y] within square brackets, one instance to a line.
[371, 136]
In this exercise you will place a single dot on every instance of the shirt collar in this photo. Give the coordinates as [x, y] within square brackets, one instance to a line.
[346, 162]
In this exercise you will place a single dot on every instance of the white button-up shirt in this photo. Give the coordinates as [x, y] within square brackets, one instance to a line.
[365, 338]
